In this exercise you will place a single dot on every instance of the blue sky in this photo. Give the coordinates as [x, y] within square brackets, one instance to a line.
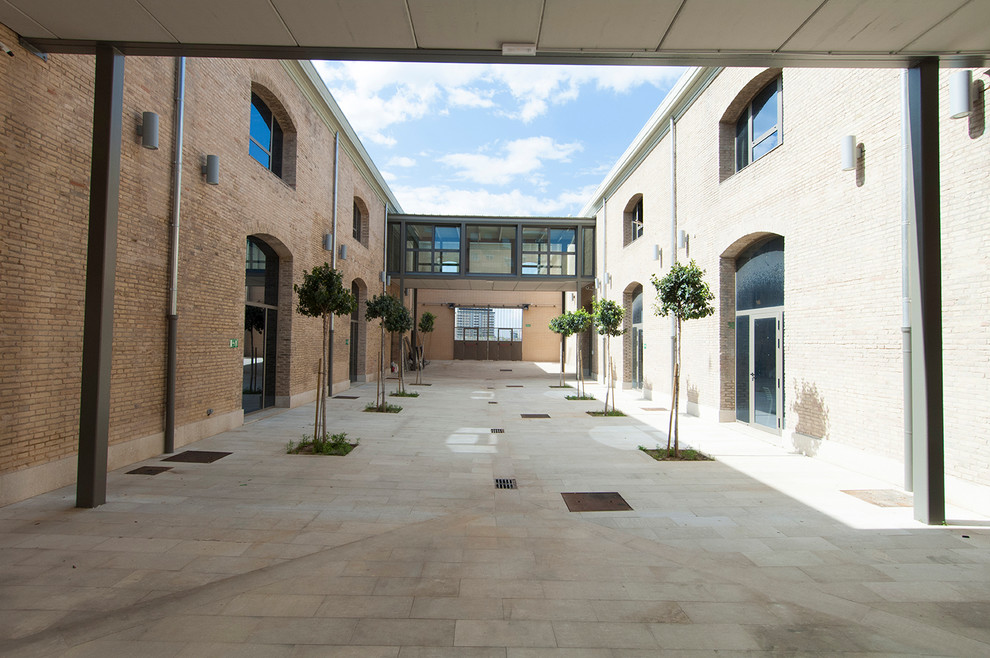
[495, 139]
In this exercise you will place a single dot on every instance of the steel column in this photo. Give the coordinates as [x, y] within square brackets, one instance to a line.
[926, 292]
[101, 265]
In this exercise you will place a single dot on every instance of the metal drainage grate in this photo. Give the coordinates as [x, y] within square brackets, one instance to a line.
[498, 430]
[196, 457]
[654, 409]
[149, 470]
[535, 415]
[595, 501]
[491, 402]
[345, 397]
[505, 369]
[505, 483]
[882, 497]
[513, 385]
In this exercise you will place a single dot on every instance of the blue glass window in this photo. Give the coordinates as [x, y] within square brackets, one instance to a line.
[265, 144]
[760, 275]
[758, 129]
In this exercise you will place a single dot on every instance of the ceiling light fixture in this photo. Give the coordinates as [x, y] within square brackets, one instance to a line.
[519, 49]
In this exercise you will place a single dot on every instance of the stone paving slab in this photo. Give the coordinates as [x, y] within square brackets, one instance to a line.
[405, 548]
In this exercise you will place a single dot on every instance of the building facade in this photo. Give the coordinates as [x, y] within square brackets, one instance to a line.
[741, 170]
[290, 170]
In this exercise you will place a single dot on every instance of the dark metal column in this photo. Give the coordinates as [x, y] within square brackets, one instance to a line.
[101, 265]
[926, 293]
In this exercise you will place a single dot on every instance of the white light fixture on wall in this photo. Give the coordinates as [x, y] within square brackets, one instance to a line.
[328, 242]
[657, 252]
[851, 152]
[148, 130]
[961, 94]
[342, 252]
[682, 239]
[211, 169]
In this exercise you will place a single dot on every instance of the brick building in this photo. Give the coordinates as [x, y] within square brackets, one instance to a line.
[804, 258]
[242, 244]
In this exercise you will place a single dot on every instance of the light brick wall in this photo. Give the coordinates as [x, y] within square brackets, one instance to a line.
[842, 235]
[45, 143]
[539, 343]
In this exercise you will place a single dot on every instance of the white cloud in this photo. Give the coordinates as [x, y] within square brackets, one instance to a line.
[518, 157]
[387, 175]
[463, 97]
[445, 200]
[401, 161]
[377, 95]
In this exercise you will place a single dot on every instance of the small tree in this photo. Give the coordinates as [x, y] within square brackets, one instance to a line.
[580, 321]
[684, 294]
[561, 325]
[321, 295]
[425, 326]
[608, 317]
[394, 318]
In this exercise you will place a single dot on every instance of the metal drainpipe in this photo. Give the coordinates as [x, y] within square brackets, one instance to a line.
[906, 182]
[673, 238]
[173, 302]
[333, 254]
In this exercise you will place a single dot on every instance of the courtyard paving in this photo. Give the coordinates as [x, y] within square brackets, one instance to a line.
[406, 548]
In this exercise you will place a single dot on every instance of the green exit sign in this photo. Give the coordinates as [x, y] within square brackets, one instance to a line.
[233, 343]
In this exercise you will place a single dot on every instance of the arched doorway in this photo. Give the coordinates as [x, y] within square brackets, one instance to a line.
[358, 327]
[633, 343]
[260, 325]
[759, 340]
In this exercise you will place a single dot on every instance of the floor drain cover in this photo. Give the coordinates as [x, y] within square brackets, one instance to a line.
[882, 497]
[600, 501]
[513, 385]
[535, 415]
[505, 369]
[505, 483]
[654, 409]
[498, 430]
[490, 402]
[196, 457]
[345, 397]
[149, 470]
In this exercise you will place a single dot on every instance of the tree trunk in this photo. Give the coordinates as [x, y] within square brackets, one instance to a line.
[677, 391]
[316, 418]
[327, 355]
[402, 364]
[380, 387]
[563, 352]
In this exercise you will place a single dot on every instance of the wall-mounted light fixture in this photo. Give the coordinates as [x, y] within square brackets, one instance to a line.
[961, 94]
[608, 279]
[657, 252]
[148, 130]
[682, 239]
[851, 152]
[211, 169]
[385, 278]
[328, 242]
[342, 252]
[519, 49]
[598, 283]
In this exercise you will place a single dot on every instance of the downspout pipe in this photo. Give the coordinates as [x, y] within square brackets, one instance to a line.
[333, 252]
[906, 193]
[673, 238]
[173, 292]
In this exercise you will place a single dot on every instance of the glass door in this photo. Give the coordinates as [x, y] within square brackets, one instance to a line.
[759, 369]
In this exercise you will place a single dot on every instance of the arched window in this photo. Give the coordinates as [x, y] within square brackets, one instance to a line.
[632, 219]
[758, 128]
[356, 231]
[266, 136]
